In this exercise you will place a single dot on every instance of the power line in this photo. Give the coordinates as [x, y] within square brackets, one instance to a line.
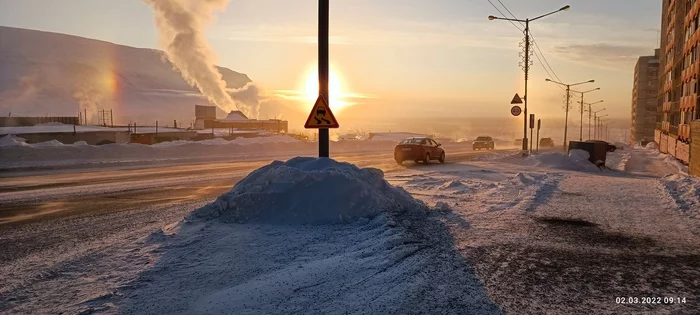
[501, 12]
[552, 73]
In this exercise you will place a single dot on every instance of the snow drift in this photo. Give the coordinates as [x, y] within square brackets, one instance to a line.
[309, 191]
[576, 160]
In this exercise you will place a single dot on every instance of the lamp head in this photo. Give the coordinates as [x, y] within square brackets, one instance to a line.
[491, 17]
[565, 8]
[591, 81]
[548, 80]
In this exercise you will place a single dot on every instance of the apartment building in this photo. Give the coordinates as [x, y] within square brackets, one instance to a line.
[645, 98]
[678, 79]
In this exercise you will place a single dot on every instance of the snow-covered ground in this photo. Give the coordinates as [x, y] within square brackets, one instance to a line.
[550, 233]
[17, 155]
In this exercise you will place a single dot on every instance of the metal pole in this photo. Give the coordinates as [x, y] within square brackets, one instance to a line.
[580, 138]
[527, 72]
[111, 118]
[537, 143]
[566, 122]
[323, 29]
[589, 121]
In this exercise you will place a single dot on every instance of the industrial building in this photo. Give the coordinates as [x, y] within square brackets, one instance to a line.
[205, 118]
[678, 79]
[645, 98]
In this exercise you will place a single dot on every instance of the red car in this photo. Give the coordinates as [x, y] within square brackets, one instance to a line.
[419, 149]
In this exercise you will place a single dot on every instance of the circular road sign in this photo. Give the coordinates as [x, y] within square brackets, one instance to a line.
[515, 110]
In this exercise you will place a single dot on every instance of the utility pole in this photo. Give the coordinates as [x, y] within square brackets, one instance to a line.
[323, 70]
[526, 65]
[589, 119]
[527, 72]
[582, 104]
[568, 103]
[566, 122]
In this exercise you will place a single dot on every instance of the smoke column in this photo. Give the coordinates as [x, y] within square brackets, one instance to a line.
[181, 25]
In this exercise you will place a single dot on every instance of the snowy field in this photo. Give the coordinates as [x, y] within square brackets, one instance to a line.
[550, 233]
[15, 154]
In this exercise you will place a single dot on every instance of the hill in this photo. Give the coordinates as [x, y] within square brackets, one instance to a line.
[53, 74]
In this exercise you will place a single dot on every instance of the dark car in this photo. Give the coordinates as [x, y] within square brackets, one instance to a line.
[546, 143]
[609, 146]
[483, 142]
[419, 149]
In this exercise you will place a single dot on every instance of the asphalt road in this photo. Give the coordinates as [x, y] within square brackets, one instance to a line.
[45, 211]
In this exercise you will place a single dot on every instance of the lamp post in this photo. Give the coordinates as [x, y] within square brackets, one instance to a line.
[526, 65]
[589, 116]
[600, 126]
[580, 138]
[595, 123]
[568, 99]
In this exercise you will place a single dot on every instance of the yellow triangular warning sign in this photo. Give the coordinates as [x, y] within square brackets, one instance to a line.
[321, 116]
[516, 99]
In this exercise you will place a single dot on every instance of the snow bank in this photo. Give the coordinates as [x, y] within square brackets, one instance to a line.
[577, 160]
[651, 145]
[308, 191]
[685, 192]
[12, 141]
[617, 160]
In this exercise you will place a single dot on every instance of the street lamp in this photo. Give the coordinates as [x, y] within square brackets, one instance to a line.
[589, 116]
[526, 64]
[595, 123]
[600, 126]
[568, 99]
[580, 138]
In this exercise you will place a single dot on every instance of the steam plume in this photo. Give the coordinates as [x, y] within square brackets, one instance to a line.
[181, 25]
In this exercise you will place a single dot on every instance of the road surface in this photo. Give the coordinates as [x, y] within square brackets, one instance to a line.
[47, 211]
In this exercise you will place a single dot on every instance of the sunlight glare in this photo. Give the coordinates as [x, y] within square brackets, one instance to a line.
[334, 89]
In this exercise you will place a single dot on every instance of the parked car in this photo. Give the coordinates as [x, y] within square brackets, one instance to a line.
[419, 149]
[483, 142]
[609, 146]
[546, 143]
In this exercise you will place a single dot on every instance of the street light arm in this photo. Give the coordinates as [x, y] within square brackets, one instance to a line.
[491, 18]
[550, 13]
[596, 89]
[589, 81]
[557, 82]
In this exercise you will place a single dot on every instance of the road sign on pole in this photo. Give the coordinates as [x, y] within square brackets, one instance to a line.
[516, 110]
[516, 99]
[321, 116]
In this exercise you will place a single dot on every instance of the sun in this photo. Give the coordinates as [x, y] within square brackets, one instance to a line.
[335, 91]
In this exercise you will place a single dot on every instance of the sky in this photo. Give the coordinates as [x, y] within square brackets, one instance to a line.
[405, 58]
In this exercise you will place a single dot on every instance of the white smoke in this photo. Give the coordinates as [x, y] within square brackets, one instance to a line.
[181, 25]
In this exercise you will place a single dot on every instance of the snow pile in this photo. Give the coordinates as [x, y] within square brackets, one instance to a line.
[390, 256]
[651, 145]
[685, 192]
[12, 141]
[617, 160]
[308, 191]
[263, 140]
[577, 160]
